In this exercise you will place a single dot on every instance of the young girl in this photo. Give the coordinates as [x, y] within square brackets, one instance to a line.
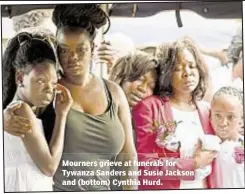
[95, 131]
[226, 111]
[30, 78]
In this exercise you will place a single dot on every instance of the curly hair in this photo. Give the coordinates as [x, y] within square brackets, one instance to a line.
[166, 55]
[24, 52]
[87, 16]
[132, 66]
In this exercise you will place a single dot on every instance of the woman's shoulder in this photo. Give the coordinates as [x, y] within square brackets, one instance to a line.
[154, 100]
[114, 87]
[151, 102]
[117, 92]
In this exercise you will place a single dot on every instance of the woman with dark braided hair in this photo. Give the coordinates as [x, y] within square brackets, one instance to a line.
[30, 83]
[98, 126]
[99, 122]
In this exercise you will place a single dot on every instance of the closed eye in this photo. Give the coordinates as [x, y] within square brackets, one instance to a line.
[63, 50]
[41, 81]
[54, 85]
[82, 49]
[177, 69]
[141, 79]
[193, 65]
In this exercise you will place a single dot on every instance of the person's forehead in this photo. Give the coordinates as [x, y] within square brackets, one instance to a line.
[225, 100]
[185, 54]
[69, 36]
[43, 68]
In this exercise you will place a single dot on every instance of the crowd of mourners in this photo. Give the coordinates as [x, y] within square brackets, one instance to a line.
[160, 104]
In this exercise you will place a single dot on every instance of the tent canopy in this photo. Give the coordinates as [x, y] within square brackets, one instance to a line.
[218, 9]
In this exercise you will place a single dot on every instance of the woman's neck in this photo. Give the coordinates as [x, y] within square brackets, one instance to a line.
[73, 83]
[183, 98]
[19, 96]
[182, 102]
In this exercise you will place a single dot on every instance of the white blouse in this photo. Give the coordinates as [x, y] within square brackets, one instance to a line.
[232, 173]
[188, 132]
[21, 173]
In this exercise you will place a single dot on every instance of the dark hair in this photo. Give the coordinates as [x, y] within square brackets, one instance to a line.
[43, 32]
[87, 16]
[132, 66]
[24, 51]
[166, 55]
[231, 91]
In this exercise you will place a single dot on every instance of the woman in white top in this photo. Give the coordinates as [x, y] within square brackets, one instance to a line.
[189, 76]
[30, 79]
[170, 123]
[226, 111]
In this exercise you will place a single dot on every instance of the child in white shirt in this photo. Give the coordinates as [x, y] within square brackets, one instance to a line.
[226, 111]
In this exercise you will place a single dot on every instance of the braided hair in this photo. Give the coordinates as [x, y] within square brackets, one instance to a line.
[24, 52]
[87, 16]
[231, 91]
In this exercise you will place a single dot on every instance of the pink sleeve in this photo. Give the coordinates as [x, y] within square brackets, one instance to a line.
[143, 125]
[147, 149]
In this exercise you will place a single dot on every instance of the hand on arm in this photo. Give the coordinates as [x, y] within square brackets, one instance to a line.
[47, 157]
[147, 149]
[13, 123]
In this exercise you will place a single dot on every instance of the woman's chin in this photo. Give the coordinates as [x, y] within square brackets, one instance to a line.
[189, 89]
[74, 72]
[43, 103]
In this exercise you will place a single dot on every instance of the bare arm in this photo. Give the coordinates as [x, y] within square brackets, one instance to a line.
[238, 70]
[235, 47]
[221, 55]
[47, 157]
[128, 152]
